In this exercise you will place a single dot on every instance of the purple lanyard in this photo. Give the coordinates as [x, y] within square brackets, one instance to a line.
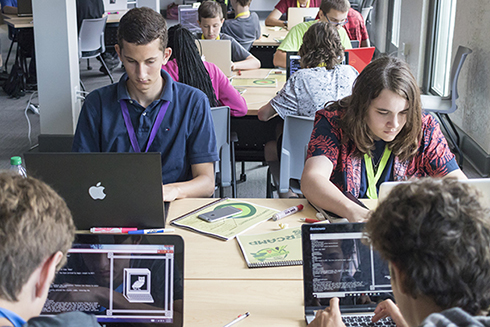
[129, 126]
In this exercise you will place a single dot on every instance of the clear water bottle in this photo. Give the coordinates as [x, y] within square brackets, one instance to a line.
[16, 165]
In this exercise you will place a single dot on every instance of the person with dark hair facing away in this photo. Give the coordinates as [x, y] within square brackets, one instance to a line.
[377, 134]
[147, 111]
[36, 232]
[210, 20]
[186, 66]
[321, 79]
[435, 235]
[331, 11]
[245, 28]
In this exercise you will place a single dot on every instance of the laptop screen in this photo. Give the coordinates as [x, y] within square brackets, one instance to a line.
[292, 63]
[122, 279]
[188, 18]
[338, 264]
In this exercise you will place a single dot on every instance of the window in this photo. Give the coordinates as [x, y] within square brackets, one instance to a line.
[444, 14]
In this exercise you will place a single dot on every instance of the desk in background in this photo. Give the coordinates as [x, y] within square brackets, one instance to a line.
[218, 285]
[265, 47]
[252, 133]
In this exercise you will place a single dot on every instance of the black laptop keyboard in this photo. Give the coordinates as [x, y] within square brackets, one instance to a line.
[366, 321]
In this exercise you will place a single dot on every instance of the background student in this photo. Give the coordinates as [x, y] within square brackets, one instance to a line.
[185, 66]
[120, 117]
[377, 134]
[435, 235]
[331, 11]
[356, 29]
[321, 79]
[37, 231]
[281, 10]
[245, 28]
[210, 21]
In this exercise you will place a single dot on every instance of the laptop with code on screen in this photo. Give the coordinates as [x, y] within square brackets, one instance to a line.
[122, 279]
[104, 189]
[336, 263]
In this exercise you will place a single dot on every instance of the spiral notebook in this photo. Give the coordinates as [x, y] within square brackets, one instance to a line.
[280, 248]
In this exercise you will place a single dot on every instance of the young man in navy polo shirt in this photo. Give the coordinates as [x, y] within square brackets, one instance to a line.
[147, 111]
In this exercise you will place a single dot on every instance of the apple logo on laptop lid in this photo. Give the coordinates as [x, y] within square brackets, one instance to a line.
[97, 192]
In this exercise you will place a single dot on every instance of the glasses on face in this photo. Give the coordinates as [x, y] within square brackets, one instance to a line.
[342, 23]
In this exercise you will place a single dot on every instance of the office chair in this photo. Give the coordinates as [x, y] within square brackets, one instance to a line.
[226, 169]
[442, 107]
[91, 41]
[286, 173]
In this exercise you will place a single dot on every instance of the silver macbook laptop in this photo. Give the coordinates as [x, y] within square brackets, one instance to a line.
[297, 15]
[105, 189]
[123, 280]
[482, 185]
[218, 52]
[337, 264]
[24, 8]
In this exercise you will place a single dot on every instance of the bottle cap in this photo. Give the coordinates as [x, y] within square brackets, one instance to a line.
[14, 161]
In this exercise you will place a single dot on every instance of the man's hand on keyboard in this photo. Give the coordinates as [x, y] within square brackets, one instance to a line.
[330, 317]
[389, 309]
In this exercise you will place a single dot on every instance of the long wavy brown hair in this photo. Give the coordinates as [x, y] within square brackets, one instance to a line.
[321, 45]
[384, 73]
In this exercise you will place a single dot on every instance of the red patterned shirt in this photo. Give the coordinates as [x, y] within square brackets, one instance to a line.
[283, 5]
[355, 26]
[433, 157]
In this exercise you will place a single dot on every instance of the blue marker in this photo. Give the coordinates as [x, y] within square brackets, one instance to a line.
[152, 231]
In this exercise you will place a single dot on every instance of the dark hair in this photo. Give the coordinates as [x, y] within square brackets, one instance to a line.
[321, 45]
[438, 234]
[191, 68]
[210, 9]
[142, 26]
[392, 74]
[339, 5]
[35, 223]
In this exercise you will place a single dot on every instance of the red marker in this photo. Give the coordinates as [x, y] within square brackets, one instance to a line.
[287, 212]
[309, 220]
[111, 230]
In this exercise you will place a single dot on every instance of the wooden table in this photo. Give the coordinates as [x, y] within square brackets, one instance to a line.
[219, 286]
[275, 36]
[18, 22]
[256, 97]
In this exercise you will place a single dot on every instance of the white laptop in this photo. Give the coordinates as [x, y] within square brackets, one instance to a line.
[482, 185]
[296, 15]
[218, 52]
[336, 263]
[115, 5]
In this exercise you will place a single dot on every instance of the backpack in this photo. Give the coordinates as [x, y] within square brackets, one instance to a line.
[14, 85]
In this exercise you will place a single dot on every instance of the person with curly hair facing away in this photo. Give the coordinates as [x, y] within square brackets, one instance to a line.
[377, 134]
[321, 79]
[435, 235]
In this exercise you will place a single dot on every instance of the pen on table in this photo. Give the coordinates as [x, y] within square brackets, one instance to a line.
[112, 230]
[152, 231]
[113, 13]
[287, 212]
[309, 220]
[237, 319]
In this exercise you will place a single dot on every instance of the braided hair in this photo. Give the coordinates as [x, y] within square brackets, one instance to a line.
[191, 68]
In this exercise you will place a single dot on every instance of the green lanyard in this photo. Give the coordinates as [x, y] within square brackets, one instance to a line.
[371, 178]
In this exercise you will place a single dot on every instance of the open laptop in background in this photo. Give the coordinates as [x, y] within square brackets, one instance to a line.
[337, 264]
[104, 275]
[115, 5]
[482, 185]
[218, 52]
[360, 57]
[105, 189]
[297, 15]
[188, 18]
[24, 8]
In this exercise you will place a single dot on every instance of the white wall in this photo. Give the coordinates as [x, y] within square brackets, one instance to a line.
[472, 30]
